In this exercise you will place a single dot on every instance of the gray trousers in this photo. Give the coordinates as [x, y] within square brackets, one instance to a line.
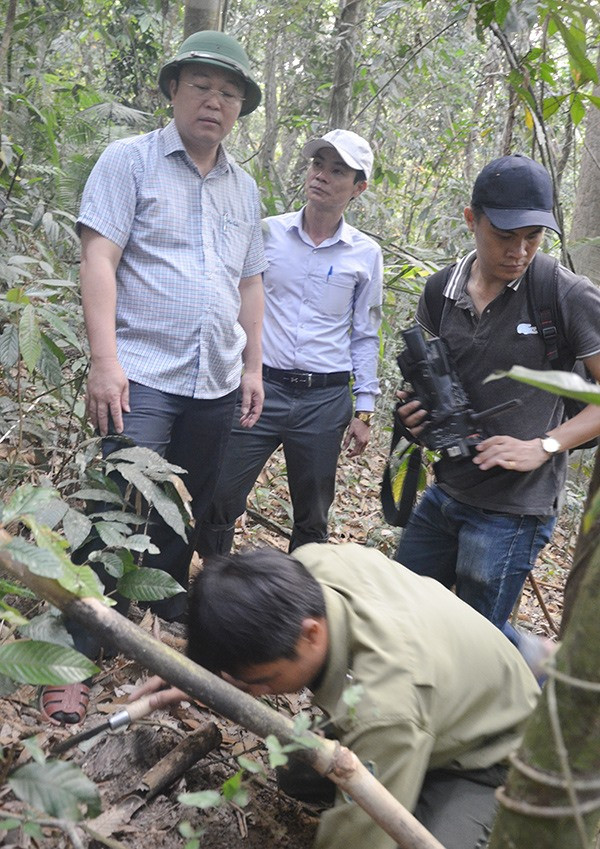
[458, 808]
[310, 424]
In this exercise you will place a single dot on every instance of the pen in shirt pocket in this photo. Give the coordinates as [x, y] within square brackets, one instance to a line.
[329, 273]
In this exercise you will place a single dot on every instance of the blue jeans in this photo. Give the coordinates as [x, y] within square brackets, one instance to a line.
[486, 555]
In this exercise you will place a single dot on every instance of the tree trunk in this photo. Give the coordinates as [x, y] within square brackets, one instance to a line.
[270, 104]
[586, 258]
[202, 14]
[552, 795]
[6, 37]
[345, 63]
[586, 213]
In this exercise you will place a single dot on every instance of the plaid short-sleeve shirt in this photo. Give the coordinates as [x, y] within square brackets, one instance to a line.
[186, 240]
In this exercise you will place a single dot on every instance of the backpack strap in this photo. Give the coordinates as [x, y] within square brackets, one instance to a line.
[433, 295]
[542, 303]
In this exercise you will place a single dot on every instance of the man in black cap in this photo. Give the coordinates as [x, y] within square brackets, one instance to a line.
[481, 525]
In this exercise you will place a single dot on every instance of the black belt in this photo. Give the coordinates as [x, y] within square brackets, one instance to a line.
[306, 379]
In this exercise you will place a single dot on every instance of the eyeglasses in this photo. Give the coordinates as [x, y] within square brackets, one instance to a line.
[203, 92]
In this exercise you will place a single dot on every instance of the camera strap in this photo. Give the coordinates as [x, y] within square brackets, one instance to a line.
[410, 461]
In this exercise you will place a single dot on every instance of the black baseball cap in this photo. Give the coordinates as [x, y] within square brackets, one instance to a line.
[515, 191]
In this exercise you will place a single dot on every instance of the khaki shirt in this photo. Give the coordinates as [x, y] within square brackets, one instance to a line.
[441, 686]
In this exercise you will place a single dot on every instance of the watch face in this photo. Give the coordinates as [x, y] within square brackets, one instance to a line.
[551, 445]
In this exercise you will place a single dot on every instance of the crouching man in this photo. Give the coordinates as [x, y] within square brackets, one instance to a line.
[443, 695]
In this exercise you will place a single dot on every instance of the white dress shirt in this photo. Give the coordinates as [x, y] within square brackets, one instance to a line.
[323, 303]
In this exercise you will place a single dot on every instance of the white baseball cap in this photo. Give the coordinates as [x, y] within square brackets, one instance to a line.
[354, 150]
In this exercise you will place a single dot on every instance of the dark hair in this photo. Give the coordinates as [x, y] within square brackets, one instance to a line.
[248, 608]
[477, 211]
[360, 177]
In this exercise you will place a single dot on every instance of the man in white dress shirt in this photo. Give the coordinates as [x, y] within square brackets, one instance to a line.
[323, 294]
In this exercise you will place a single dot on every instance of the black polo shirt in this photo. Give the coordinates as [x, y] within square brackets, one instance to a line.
[504, 336]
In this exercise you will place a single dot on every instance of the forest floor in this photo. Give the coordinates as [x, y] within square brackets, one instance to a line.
[119, 763]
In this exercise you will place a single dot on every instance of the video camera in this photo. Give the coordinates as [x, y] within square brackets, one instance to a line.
[452, 425]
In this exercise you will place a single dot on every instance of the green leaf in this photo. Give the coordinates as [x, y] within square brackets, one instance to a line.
[8, 588]
[148, 585]
[552, 104]
[90, 494]
[501, 9]
[82, 581]
[58, 788]
[116, 563]
[155, 496]
[12, 615]
[277, 756]
[35, 750]
[557, 382]
[76, 526]
[40, 561]
[26, 500]
[9, 346]
[251, 766]
[48, 627]
[48, 365]
[36, 662]
[352, 695]
[141, 542]
[111, 534]
[148, 461]
[204, 799]
[30, 339]
[577, 109]
[234, 791]
[61, 326]
[9, 825]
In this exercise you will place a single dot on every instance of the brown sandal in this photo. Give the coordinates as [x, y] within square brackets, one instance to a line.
[64, 705]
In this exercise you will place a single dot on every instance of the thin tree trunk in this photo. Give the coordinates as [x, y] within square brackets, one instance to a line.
[202, 14]
[552, 795]
[270, 104]
[6, 37]
[585, 229]
[345, 63]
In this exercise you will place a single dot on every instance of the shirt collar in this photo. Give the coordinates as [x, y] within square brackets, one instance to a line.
[342, 234]
[334, 677]
[459, 277]
[173, 144]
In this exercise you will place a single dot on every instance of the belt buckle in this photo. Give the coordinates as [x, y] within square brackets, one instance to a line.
[301, 379]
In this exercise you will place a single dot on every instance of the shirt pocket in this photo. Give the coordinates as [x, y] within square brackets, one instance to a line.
[334, 294]
[233, 242]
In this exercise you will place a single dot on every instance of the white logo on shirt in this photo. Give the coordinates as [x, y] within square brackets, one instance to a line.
[526, 329]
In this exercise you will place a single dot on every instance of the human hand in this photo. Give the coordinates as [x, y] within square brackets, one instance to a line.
[359, 433]
[164, 695]
[253, 396]
[107, 394]
[519, 455]
[411, 413]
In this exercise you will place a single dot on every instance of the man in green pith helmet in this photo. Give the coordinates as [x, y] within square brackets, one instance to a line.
[171, 265]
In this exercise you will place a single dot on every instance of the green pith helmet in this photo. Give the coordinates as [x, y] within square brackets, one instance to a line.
[213, 48]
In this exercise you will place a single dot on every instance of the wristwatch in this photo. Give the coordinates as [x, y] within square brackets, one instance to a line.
[364, 417]
[550, 445]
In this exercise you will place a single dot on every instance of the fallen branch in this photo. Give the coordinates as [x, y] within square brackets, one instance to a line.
[179, 760]
[327, 757]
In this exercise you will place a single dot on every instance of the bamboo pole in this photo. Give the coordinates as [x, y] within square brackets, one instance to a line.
[327, 757]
